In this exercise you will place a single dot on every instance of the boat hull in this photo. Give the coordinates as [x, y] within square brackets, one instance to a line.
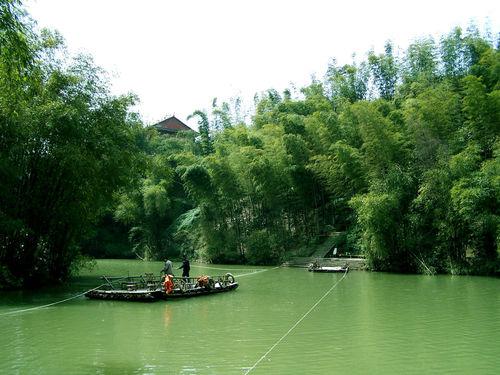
[157, 294]
[330, 269]
[123, 295]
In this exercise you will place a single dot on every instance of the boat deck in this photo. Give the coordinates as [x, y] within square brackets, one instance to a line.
[149, 288]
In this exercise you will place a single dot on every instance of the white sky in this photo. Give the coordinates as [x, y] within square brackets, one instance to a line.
[178, 55]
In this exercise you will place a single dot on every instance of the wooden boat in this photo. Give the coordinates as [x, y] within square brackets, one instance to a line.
[315, 267]
[151, 288]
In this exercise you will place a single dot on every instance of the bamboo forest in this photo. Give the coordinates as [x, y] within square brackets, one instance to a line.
[396, 156]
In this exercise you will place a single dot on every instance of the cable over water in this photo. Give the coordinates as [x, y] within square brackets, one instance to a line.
[49, 304]
[255, 272]
[296, 324]
[223, 269]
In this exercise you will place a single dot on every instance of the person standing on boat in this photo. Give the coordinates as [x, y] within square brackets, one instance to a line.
[167, 269]
[185, 267]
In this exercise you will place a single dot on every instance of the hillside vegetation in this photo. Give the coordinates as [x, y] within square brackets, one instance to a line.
[400, 153]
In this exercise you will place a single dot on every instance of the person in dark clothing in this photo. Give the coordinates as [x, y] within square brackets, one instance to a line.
[185, 267]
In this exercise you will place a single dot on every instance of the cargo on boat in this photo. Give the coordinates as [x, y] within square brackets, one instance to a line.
[153, 288]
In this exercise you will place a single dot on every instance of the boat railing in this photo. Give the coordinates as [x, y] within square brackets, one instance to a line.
[151, 282]
[148, 281]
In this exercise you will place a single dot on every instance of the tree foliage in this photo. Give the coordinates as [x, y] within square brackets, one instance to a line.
[399, 153]
[66, 145]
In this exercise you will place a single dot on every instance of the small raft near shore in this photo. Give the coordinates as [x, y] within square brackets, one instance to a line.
[315, 267]
[149, 288]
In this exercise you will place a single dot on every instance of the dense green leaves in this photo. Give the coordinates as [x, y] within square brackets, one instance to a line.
[66, 146]
[396, 157]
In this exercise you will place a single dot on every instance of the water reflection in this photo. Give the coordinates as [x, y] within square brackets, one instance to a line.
[167, 316]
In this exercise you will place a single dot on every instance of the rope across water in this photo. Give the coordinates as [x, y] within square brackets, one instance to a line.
[49, 304]
[255, 272]
[296, 324]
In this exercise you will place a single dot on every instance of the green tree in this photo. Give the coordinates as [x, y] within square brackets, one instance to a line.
[67, 145]
[384, 69]
[349, 82]
[204, 130]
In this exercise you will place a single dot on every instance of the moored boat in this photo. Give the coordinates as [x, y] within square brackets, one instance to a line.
[149, 288]
[316, 267]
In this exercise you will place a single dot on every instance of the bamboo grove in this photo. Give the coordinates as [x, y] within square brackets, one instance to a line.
[396, 155]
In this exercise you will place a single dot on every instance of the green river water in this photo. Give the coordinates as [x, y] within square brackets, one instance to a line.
[279, 321]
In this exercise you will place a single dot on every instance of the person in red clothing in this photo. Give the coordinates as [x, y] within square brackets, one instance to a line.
[168, 284]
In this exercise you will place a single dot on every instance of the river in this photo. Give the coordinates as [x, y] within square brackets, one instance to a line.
[279, 321]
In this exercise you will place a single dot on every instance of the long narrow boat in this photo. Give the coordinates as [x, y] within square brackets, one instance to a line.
[315, 267]
[149, 288]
